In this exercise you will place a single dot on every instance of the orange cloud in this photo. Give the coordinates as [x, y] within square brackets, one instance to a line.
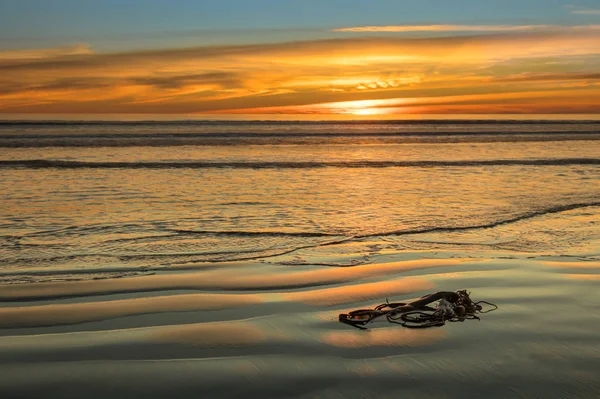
[304, 77]
[446, 28]
[533, 77]
[37, 54]
[549, 101]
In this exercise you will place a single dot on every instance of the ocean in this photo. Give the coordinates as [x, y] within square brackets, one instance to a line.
[212, 258]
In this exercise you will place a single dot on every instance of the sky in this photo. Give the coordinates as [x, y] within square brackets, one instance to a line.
[313, 59]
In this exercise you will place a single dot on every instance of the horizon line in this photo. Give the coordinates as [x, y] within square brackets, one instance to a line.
[141, 118]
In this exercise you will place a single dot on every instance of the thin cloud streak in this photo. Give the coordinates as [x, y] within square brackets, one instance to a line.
[462, 28]
[549, 77]
[585, 12]
[43, 54]
[445, 28]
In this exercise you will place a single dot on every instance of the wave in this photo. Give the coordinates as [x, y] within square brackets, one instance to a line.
[525, 216]
[276, 134]
[60, 164]
[348, 238]
[255, 233]
[271, 135]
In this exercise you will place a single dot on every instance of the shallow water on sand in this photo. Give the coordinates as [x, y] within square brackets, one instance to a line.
[219, 269]
[270, 329]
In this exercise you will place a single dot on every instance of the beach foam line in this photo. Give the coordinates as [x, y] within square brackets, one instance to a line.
[66, 314]
[215, 280]
[500, 222]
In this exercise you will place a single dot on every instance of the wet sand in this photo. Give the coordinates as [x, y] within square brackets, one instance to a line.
[270, 329]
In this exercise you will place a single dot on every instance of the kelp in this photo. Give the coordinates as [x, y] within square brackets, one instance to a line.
[447, 306]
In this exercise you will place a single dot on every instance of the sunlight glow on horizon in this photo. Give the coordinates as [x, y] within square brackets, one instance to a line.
[520, 69]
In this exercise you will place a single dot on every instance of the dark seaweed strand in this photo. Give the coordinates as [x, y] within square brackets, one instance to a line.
[418, 314]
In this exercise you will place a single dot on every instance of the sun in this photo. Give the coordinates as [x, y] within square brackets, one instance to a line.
[362, 107]
[366, 111]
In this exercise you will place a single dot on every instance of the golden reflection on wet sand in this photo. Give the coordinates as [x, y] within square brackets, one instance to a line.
[359, 292]
[390, 336]
[210, 334]
[50, 315]
[232, 280]
[574, 265]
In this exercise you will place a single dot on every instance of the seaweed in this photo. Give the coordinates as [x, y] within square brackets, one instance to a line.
[451, 307]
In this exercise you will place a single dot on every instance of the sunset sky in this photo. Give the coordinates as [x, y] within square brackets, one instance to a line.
[309, 58]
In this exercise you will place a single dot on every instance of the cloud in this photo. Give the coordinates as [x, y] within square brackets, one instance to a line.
[447, 28]
[220, 79]
[546, 101]
[57, 85]
[243, 78]
[547, 77]
[333, 52]
[582, 11]
[395, 83]
[41, 54]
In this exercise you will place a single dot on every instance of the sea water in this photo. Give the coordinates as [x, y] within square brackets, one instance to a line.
[517, 202]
